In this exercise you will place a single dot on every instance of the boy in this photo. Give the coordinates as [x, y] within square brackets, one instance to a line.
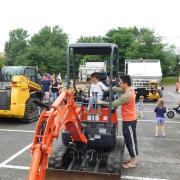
[96, 90]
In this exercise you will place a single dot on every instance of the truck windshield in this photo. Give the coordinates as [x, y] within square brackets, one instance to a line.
[9, 72]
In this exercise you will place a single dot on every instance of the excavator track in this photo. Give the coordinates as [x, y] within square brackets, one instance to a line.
[68, 163]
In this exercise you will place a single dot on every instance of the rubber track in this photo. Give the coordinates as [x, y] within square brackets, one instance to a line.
[27, 117]
[56, 159]
[115, 158]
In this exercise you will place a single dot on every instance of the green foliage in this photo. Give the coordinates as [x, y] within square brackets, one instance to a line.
[16, 45]
[46, 49]
[170, 81]
[90, 39]
[2, 61]
[142, 43]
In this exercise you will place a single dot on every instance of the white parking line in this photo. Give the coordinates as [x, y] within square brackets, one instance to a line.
[150, 120]
[153, 121]
[172, 105]
[16, 167]
[17, 130]
[158, 138]
[15, 155]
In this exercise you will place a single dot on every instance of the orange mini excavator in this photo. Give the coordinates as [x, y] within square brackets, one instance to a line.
[89, 145]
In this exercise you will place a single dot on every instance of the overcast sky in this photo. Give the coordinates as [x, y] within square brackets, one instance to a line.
[90, 17]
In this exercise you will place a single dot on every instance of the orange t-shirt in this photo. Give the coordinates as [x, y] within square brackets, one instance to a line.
[128, 109]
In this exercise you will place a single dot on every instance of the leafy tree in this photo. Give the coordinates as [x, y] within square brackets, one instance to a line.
[90, 39]
[16, 45]
[142, 43]
[2, 61]
[47, 50]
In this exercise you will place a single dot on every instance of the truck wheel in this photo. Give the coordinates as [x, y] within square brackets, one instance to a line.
[31, 113]
[115, 158]
[170, 114]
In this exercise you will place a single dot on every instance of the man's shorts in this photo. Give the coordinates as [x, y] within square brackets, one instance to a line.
[160, 120]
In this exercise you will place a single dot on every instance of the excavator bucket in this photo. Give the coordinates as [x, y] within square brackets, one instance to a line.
[67, 164]
[52, 174]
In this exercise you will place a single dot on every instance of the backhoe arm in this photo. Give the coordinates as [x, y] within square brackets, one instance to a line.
[63, 112]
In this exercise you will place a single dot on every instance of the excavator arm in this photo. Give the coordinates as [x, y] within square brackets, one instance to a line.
[63, 113]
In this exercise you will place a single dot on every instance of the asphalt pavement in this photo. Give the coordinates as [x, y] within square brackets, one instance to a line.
[159, 157]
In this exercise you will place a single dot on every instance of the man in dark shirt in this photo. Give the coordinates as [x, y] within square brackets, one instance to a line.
[46, 84]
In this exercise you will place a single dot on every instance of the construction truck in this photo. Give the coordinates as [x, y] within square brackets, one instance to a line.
[146, 75]
[18, 88]
[89, 146]
[88, 68]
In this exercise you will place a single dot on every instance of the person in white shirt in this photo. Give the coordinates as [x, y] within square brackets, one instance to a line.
[96, 90]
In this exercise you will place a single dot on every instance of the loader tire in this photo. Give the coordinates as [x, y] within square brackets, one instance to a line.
[60, 158]
[32, 111]
[115, 158]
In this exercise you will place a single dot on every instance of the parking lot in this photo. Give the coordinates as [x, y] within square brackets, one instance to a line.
[159, 157]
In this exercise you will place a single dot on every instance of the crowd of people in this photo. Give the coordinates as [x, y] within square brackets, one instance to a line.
[51, 86]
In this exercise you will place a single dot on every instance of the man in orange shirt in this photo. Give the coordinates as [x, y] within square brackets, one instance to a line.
[129, 119]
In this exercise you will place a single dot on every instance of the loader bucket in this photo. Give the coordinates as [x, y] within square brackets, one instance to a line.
[54, 174]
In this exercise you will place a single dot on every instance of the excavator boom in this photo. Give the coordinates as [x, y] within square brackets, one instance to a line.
[63, 112]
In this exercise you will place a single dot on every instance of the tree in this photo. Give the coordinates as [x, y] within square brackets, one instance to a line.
[142, 43]
[122, 37]
[16, 45]
[2, 61]
[89, 39]
[47, 49]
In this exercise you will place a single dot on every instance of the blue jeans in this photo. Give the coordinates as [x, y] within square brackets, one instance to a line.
[93, 100]
[54, 96]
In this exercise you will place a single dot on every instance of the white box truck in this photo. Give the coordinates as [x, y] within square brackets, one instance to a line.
[88, 68]
[146, 76]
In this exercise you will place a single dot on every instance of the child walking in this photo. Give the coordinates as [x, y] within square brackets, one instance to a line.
[140, 106]
[160, 110]
[96, 90]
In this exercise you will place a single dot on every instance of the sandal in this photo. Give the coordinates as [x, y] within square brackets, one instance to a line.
[125, 162]
[129, 165]
[128, 161]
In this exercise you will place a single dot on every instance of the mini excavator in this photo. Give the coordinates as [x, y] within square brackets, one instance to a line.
[89, 144]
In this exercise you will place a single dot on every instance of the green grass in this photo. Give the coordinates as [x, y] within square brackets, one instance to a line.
[170, 80]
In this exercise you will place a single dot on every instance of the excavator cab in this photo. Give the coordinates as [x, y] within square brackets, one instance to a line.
[89, 146]
[99, 118]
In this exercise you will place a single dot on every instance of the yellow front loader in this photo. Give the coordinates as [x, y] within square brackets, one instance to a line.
[154, 90]
[18, 89]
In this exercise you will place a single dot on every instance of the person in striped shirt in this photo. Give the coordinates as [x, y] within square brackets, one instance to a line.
[129, 119]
